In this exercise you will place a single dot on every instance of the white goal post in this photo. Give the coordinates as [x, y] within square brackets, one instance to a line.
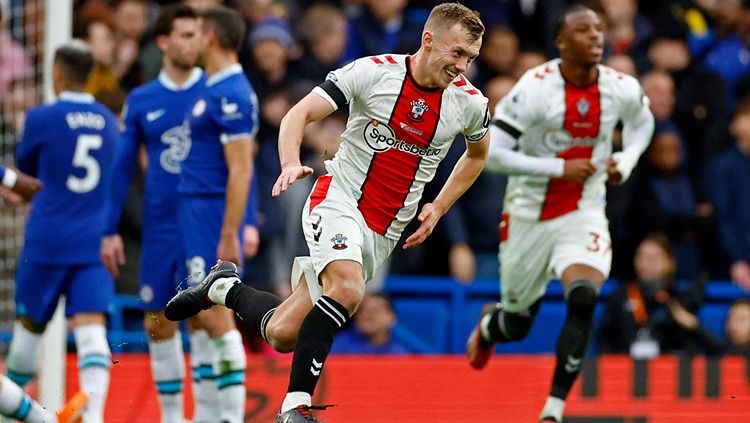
[58, 28]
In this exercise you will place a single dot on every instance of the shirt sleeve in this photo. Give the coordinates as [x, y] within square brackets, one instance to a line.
[123, 166]
[236, 114]
[520, 107]
[638, 126]
[478, 122]
[348, 83]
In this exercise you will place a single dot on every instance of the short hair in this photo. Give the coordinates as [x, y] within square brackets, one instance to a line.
[560, 22]
[228, 26]
[662, 241]
[448, 14]
[75, 60]
[320, 19]
[165, 22]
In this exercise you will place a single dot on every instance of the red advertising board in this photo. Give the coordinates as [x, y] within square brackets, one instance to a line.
[391, 389]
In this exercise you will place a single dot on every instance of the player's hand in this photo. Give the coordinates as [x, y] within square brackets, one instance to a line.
[112, 252]
[462, 263]
[614, 177]
[578, 170]
[229, 248]
[289, 175]
[250, 241]
[26, 186]
[429, 216]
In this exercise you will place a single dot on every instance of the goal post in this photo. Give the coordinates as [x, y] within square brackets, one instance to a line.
[58, 24]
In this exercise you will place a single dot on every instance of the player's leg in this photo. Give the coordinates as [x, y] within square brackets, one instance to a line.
[16, 404]
[343, 290]
[204, 387]
[88, 293]
[582, 260]
[38, 288]
[524, 254]
[159, 267]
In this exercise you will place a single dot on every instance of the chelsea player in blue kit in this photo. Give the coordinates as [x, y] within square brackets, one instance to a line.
[69, 146]
[214, 185]
[155, 118]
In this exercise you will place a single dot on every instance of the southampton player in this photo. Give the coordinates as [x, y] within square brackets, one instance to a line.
[155, 118]
[560, 116]
[405, 111]
[213, 190]
[69, 146]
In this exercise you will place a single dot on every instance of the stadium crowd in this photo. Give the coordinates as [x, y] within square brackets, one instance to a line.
[691, 57]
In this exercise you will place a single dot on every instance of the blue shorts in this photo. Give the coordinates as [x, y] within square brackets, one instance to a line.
[160, 268]
[200, 219]
[88, 288]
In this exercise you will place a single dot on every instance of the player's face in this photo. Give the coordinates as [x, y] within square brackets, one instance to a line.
[452, 53]
[582, 38]
[182, 47]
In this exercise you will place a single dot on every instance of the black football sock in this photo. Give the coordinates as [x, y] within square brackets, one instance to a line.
[314, 343]
[574, 336]
[252, 306]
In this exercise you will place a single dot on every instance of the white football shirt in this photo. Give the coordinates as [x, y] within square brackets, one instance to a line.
[553, 118]
[396, 135]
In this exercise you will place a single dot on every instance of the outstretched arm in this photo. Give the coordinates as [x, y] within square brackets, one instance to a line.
[464, 173]
[310, 109]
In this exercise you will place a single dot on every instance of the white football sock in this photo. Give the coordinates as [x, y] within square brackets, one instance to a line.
[204, 389]
[293, 399]
[229, 368]
[16, 403]
[23, 354]
[168, 370]
[553, 408]
[94, 361]
[219, 289]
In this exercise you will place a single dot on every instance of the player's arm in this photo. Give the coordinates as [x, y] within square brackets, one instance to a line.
[112, 249]
[638, 126]
[19, 183]
[464, 173]
[311, 108]
[503, 158]
[238, 155]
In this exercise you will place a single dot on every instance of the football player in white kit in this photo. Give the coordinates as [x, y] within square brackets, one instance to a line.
[405, 111]
[553, 135]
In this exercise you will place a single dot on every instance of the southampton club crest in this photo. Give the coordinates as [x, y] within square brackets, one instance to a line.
[583, 107]
[339, 242]
[418, 107]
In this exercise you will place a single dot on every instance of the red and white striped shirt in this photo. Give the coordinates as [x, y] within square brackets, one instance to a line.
[553, 120]
[396, 135]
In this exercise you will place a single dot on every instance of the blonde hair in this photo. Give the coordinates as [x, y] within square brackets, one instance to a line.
[448, 14]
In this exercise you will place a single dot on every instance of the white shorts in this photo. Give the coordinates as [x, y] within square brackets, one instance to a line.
[532, 253]
[335, 230]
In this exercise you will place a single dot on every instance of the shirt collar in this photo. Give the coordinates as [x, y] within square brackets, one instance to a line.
[76, 97]
[169, 84]
[224, 74]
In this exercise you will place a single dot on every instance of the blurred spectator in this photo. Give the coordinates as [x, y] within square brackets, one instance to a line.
[649, 315]
[622, 63]
[323, 34]
[729, 56]
[130, 21]
[201, 5]
[737, 328]
[268, 67]
[497, 56]
[527, 60]
[667, 202]
[371, 331]
[700, 106]
[659, 88]
[383, 26]
[93, 23]
[14, 61]
[627, 31]
[727, 179]
[496, 88]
